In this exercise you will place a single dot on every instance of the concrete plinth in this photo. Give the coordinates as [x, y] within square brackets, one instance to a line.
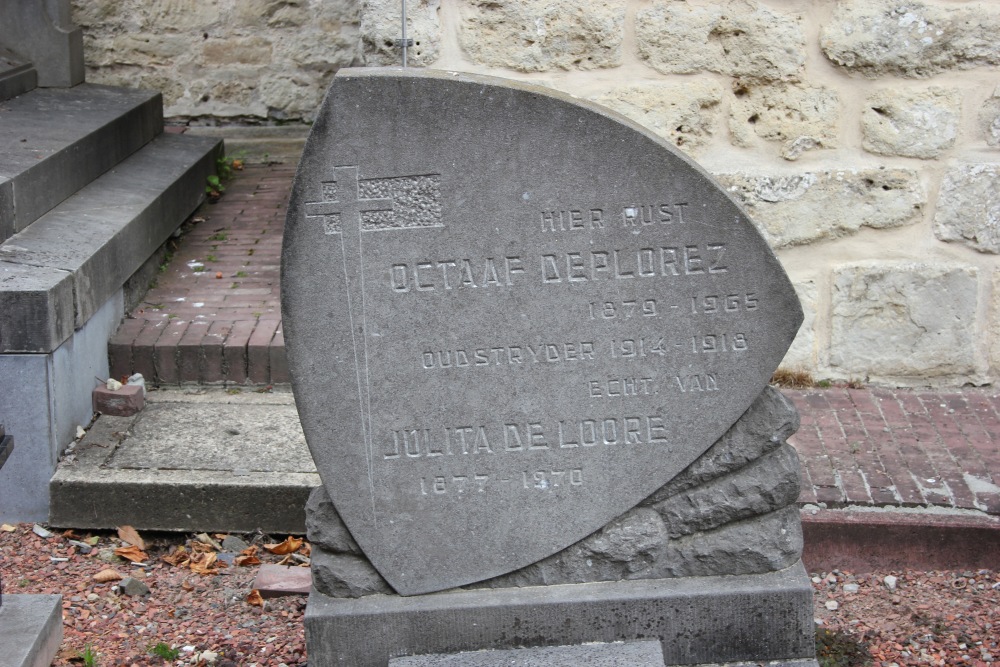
[697, 620]
[30, 630]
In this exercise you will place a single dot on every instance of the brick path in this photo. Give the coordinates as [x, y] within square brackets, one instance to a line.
[875, 447]
[214, 314]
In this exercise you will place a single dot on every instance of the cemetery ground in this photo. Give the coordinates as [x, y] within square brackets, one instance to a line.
[200, 610]
[932, 452]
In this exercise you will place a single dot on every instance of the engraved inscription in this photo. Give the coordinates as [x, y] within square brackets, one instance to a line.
[449, 274]
[610, 310]
[696, 383]
[509, 355]
[642, 215]
[381, 203]
[538, 480]
[622, 387]
[727, 303]
[572, 220]
[475, 440]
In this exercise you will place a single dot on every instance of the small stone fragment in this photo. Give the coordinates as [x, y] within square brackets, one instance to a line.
[890, 582]
[133, 587]
[113, 384]
[41, 532]
[968, 210]
[234, 544]
[831, 605]
[920, 124]
[851, 588]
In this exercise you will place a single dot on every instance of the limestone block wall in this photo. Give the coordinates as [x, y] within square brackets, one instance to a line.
[862, 135]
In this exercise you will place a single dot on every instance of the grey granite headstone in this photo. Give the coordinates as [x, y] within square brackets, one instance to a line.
[510, 317]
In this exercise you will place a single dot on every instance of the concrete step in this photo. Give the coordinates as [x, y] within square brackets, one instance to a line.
[30, 630]
[16, 76]
[202, 459]
[57, 272]
[54, 141]
[616, 654]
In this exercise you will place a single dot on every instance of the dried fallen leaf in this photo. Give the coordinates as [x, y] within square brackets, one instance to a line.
[290, 545]
[255, 599]
[93, 540]
[246, 561]
[187, 585]
[104, 576]
[130, 535]
[179, 557]
[206, 563]
[201, 547]
[218, 274]
[7, 528]
[306, 549]
[132, 553]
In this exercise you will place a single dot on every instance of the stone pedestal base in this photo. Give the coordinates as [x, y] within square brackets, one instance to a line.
[697, 620]
[30, 630]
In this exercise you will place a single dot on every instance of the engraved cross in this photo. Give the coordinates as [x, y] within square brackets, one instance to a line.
[347, 208]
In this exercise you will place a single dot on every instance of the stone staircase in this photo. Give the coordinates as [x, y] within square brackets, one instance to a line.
[90, 188]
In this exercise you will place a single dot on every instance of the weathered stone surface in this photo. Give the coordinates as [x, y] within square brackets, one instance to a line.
[769, 483]
[817, 206]
[256, 59]
[761, 429]
[363, 220]
[994, 326]
[636, 546]
[741, 39]
[920, 124]
[901, 319]
[802, 354]
[325, 528]
[968, 209]
[380, 28]
[914, 39]
[989, 119]
[801, 118]
[684, 114]
[542, 35]
[741, 481]
[345, 576]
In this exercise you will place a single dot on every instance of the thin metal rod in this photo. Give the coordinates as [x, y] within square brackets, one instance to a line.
[404, 33]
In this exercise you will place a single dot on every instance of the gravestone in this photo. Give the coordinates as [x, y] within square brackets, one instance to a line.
[530, 344]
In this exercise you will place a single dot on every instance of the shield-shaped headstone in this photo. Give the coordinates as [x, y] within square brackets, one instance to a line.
[510, 316]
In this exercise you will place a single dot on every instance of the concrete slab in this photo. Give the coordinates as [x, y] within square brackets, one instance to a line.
[43, 398]
[101, 236]
[755, 618]
[54, 141]
[30, 630]
[621, 654]
[192, 460]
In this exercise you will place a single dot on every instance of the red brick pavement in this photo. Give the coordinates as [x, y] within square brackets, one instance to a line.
[867, 447]
[213, 315]
[900, 447]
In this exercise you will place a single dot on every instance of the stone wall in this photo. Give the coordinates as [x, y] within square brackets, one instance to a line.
[862, 135]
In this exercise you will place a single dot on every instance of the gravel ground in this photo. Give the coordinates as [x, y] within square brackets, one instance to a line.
[879, 619]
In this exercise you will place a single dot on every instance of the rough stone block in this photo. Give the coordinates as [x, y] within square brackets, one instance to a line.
[125, 402]
[801, 118]
[344, 576]
[816, 206]
[989, 119]
[543, 35]
[684, 114]
[968, 209]
[921, 124]
[904, 320]
[741, 39]
[696, 620]
[324, 527]
[913, 39]
[380, 28]
[802, 354]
